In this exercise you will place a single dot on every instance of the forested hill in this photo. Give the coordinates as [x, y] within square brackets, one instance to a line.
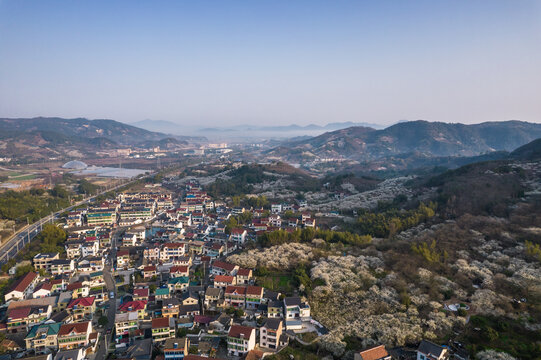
[430, 138]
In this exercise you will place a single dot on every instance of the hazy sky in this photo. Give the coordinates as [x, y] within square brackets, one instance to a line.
[274, 62]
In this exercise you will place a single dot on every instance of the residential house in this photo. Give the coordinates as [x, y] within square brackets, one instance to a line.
[172, 250]
[176, 348]
[90, 264]
[23, 287]
[295, 308]
[178, 284]
[137, 306]
[275, 309]
[82, 308]
[275, 221]
[141, 349]
[161, 293]
[58, 285]
[163, 328]
[152, 253]
[235, 296]
[276, 208]
[429, 351]
[223, 281]
[73, 248]
[141, 294]
[212, 296]
[182, 261]
[78, 289]
[177, 271]
[223, 268]
[240, 340]
[129, 239]
[126, 325]
[244, 276]
[96, 279]
[43, 336]
[90, 247]
[170, 308]
[375, 353]
[43, 260]
[73, 354]
[74, 335]
[122, 258]
[185, 311]
[189, 298]
[62, 266]
[270, 333]
[42, 290]
[221, 324]
[238, 235]
[309, 223]
[149, 272]
[23, 318]
[254, 295]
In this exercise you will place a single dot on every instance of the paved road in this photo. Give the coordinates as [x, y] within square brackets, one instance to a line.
[103, 346]
[10, 248]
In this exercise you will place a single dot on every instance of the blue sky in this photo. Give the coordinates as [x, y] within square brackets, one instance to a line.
[272, 62]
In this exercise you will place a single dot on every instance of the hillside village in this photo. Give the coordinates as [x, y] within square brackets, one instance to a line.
[145, 275]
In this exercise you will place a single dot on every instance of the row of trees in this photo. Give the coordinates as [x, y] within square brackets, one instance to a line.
[393, 220]
[279, 237]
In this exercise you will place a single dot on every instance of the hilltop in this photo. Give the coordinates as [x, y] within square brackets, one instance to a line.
[43, 137]
[430, 139]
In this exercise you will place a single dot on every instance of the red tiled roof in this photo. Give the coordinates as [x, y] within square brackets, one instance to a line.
[178, 269]
[244, 272]
[44, 286]
[200, 319]
[123, 253]
[223, 278]
[20, 313]
[149, 268]
[223, 265]
[84, 301]
[141, 292]
[239, 331]
[24, 282]
[78, 328]
[374, 353]
[160, 322]
[241, 290]
[237, 231]
[75, 285]
[254, 290]
[135, 305]
[174, 245]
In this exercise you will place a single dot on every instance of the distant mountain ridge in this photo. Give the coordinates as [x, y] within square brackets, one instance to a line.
[273, 130]
[44, 137]
[429, 138]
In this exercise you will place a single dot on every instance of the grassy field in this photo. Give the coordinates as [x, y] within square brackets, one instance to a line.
[23, 177]
[277, 282]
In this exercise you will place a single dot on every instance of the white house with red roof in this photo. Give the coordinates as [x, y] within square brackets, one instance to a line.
[178, 271]
[238, 235]
[23, 287]
[240, 340]
[224, 268]
[172, 250]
